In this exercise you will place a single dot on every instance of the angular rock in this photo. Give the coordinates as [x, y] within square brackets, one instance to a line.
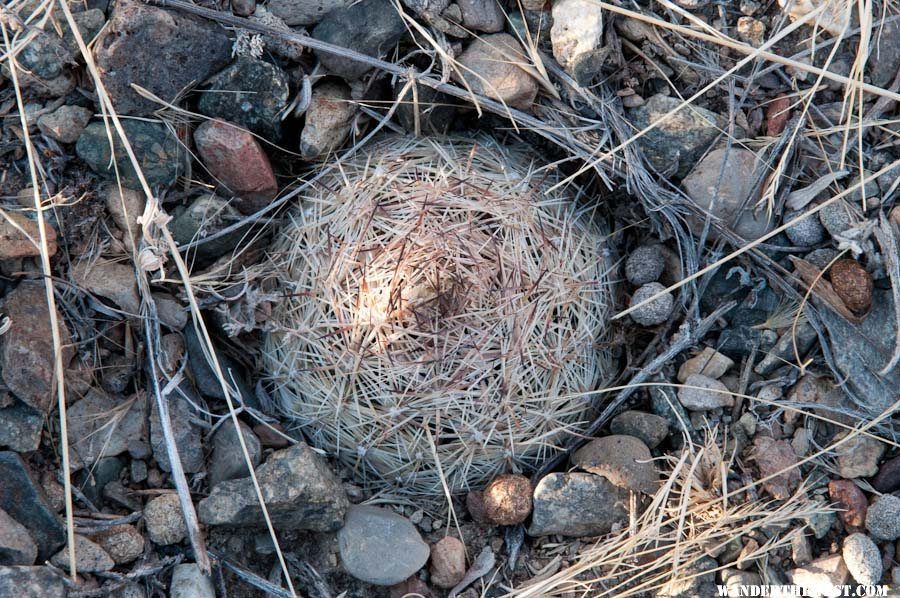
[26, 350]
[492, 70]
[380, 547]
[858, 457]
[887, 479]
[189, 581]
[22, 426]
[702, 393]
[709, 363]
[31, 582]
[883, 518]
[577, 505]
[482, 15]
[862, 558]
[16, 545]
[171, 312]
[304, 12]
[850, 499]
[507, 499]
[651, 429]
[205, 378]
[577, 30]
[65, 123]
[125, 206]
[158, 152]
[203, 216]
[15, 230]
[448, 562]
[100, 426]
[773, 456]
[43, 66]
[227, 459]
[793, 342]
[110, 280]
[623, 460]
[383, 29]
[300, 492]
[160, 50]
[884, 57]
[188, 432]
[327, 120]
[235, 159]
[821, 576]
[123, 543]
[89, 557]
[250, 93]
[164, 520]
[23, 499]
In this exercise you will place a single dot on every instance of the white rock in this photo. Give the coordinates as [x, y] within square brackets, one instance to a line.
[820, 577]
[709, 363]
[833, 19]
[863, 559]
[188, 581]
[702, 393]
[577, 29]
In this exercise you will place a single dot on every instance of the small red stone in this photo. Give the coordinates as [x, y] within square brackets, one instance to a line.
[235, 158]
[777, 115]
[852, 284]
[851, 499]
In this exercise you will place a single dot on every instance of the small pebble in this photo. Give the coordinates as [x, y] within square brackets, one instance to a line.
[820, 258]
[164, 521]
[806, 232]
[650, 428]
[475, 507]
[883, 517]
[852, 284]
[448, 562]
[851, 500]
[188, 581]
[645, 264]
[507, 499]
[702, 393]
[863, 559]
[655, 312]
[837, 217]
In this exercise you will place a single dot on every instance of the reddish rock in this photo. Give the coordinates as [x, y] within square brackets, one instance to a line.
[774, 456]
[448, 562]
[887, 479]
[271, 438]
[507, 499]
[851, 500]
[852, 284]
[14, 243]
[410, 588]
[777, 115]
[235, 158]
[475, 506]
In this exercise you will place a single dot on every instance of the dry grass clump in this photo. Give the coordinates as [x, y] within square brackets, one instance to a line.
[443, 312]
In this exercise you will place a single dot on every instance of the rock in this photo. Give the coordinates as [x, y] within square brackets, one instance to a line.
[623, 460]
[235, 159]
[475, 507]
[304, 12]
[838, 217]
[171, 312]
[244, 8]
[250, 93]
[801, 549]
[383, 29]
[773, 456]
[649, 428]
[883, 518]
[328, 119]
[850, 499]
[123, 543]
[227, 460]
[482, 15]
[725, 184]
[110, 280]
[821, 258]
[162, 51]
[862, 558]
[733, 579]
[852, 284]
[820, 522]
[300, 490]
[205, 378]
[806, 232]
[507, 499]
[702, 393]
[435, 112]
[709, 363]
[492, 71]
[793, 342]
[777, 115]
[644, 264]
[65, 124]
[43, 66]
[125, 206]
[158, 152]
[448, 562]
[16, 545]
[188, 432]
[887, 479]
[655, 312]
[203, 216]
[31, 582]
[577, 505]
[380, 547]
[22, 425]
[752, 31]
[14, 244]
[189, 581]
[26, 349]
[410, 588]
[577, 30]
[884, 57]
[164, 520]
[89, 557]
[697, 579]
[100, 426]
[820, 576]
[858, 457]
[269, 437]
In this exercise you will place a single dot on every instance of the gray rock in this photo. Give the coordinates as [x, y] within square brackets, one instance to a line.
[205, 378]
[838, 217]
[23, 499]
[130, 589]
[806, 232]
[644, 264]
[820, 258]
[884, 58]
[821, 522]
[577, 32]
[89, 557]
[157, 151]
[577, 505]
[89, 23]
[301, 493]
[304, 12]
[65, 124]
[436, 111]
[22, 426]
[328, 119]
[93, 480]
[491, 70]
[31, 582]
[709, 363]
[100, 426]
[651, 429]
[227, 459]
[702, 393]
[858, 457]
[740, 340]
[733, 579]
[664, 403]
[655, 312]
[16, 545]
[188, 432]
[250, 93]
[676, 143]
[863, 559]
[380, 547]
[725, 184]
[188, 581]
[883, 518]
[162, 51]
[203, 216]
[623, 460]
[110, 280]
[43, 65]
[123, 543]
[164, 520]
[697, 579]
[820, 576]
[383, 29]
[785, 351]
[482, 15]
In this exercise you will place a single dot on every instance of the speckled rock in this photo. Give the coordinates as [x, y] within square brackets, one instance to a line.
[328, 119]
[820, 576]
[89, 557]
[657, 311]
[863, 559]
[380, 547]
[65, 123]
[123, 543]
[31, 582]
[304, 12]
[16, 545]
[623, 460]
[158, 152]
[702, 393]
[839, 216]
[507, 499]
[852, 284]
[883, 518]
[577, 30]
[806, 232]
[164, 521]
[227, 460]
[448, 562]
[490, 58]
[577, 505]
[189, 581]
[644, 264]
[482, 15]
[651, 429]
[858, 457]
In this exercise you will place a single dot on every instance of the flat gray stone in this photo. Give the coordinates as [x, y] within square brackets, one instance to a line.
[22, 426]
[227, 460]
[31, 582]
[623, 460]
[380, 547]
[157, 150]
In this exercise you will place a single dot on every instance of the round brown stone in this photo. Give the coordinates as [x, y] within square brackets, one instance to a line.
[507, 499]
[852, 284]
